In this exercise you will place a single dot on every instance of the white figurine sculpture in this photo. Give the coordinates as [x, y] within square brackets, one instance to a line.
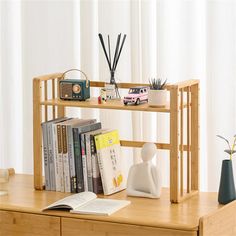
[144, 178]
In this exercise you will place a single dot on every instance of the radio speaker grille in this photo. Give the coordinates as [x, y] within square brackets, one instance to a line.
[66, 90]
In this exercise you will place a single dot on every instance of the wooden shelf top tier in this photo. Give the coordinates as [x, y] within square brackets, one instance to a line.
[110, 104]
[148, 212]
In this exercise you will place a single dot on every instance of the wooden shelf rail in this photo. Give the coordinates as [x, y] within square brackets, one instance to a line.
[183, 96]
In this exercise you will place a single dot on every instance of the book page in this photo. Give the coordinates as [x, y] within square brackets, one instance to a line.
[73, 201]
[101, 206]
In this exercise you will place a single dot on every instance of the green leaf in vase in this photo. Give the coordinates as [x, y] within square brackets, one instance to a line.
[229, 151]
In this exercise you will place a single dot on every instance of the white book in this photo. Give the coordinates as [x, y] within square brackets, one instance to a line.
[52, 158]
[88, 203]
[84, 162]
[59, 158]
[56, 158]
[89, 162]
[45, 155]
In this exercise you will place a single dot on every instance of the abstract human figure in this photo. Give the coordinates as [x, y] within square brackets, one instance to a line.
[144, 178]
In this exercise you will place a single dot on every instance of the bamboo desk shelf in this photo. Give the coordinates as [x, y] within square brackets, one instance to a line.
[183, 95]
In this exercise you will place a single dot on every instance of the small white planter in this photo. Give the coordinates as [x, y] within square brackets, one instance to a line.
[157, 98]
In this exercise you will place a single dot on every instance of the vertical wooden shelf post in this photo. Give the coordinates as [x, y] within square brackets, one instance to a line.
[174, 144]
[60, 109]
[188, 140]
[37, 134]
[195, 136]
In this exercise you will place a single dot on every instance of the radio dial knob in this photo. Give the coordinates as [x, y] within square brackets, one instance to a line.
[76, 88]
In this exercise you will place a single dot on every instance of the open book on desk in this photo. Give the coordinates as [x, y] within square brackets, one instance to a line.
[88, 203]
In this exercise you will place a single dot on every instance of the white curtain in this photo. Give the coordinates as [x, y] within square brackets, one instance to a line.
[173, 39]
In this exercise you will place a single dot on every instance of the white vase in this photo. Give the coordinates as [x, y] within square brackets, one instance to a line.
[157, 98]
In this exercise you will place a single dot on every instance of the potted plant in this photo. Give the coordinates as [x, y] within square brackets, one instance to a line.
[227, 188]
[157, 94]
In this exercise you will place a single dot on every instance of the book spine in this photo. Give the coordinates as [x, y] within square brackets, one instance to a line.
[55, 157]
[51, 158]
[84, 162]
[101, 168]
[71, 159]
[96, 176]
[45, 155]
[66, 168]
[89, 162]
[60, 157]
[78, 161]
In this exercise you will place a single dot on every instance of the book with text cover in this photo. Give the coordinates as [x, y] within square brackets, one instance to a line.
[84, 162]
[58, 146]
[88, 203]
[110, 162]
[50, 167]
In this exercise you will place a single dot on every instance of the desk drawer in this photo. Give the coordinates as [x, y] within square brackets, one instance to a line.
[72, 227]
[24, 224]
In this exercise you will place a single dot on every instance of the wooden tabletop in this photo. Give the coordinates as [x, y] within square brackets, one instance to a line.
[149, 212]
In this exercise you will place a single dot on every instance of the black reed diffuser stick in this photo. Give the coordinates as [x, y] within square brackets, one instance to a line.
[104, 49]
[118, 49]
[109, 47]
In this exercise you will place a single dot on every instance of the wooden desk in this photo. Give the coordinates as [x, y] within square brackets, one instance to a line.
[20, 214]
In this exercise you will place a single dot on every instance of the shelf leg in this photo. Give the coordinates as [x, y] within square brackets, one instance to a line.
[37, 136]
[174, 144]
[60, 109]
[195, 136]
[188, 140]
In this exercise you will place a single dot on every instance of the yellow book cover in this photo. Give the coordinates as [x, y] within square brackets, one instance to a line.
[110, 162]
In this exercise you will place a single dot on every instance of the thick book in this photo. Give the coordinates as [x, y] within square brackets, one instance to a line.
[88, 203]
[110, 162]
[77, 131]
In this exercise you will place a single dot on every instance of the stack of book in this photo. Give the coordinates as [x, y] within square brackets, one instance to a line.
[81, 156]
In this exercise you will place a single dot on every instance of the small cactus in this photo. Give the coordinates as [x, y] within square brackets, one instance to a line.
[156, 84]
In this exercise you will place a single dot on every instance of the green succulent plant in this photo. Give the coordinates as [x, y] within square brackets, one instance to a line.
[156, 84]
[231, 150]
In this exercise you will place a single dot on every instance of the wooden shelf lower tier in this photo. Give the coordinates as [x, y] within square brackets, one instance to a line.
[20, 214]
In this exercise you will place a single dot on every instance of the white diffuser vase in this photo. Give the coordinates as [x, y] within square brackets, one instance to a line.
[157, 98]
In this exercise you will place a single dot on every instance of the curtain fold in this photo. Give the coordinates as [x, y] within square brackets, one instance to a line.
[11, 98]
[177, 40]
